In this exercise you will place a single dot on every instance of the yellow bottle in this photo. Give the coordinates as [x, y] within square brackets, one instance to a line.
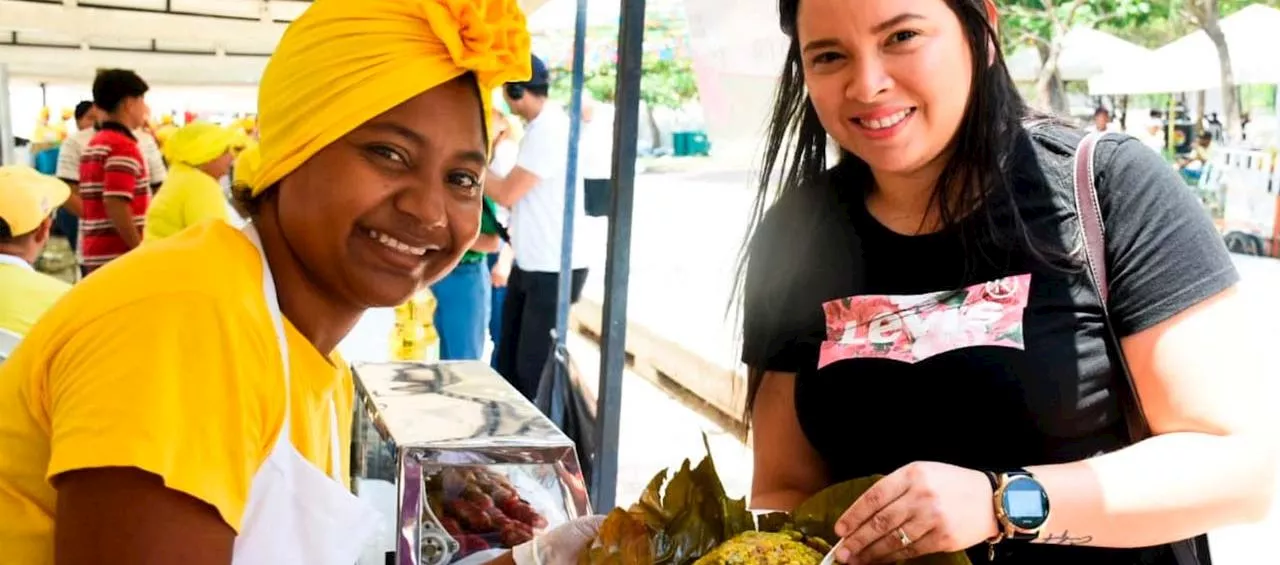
[414, 336]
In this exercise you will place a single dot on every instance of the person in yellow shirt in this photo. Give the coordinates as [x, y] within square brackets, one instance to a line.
[199, 154]
[185, 404]
[28, 200]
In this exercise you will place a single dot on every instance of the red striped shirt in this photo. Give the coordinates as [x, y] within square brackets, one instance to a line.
[110, 166]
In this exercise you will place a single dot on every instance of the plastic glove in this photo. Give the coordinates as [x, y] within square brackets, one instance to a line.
[560, 546]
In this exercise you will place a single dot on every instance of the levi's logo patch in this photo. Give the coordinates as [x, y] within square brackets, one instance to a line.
[912, 328]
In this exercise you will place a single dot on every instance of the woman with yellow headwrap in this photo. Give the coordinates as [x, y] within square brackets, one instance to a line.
[174, 407]
[199, 154]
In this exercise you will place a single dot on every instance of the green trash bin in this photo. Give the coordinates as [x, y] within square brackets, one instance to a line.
[697, 143]
[680, 143]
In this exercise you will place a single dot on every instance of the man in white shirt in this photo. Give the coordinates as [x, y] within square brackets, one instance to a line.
[68, 217]
[534, 190]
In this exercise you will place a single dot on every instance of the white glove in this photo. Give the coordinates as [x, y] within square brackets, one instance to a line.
[560, 546]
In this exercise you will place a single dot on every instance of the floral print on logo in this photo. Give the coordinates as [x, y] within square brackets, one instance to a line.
[911, 328]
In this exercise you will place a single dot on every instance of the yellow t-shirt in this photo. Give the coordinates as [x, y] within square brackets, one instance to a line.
[165, 360]
[187, 197]
[27, 295]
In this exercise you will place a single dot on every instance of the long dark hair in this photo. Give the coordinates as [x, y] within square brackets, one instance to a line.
[979, 172]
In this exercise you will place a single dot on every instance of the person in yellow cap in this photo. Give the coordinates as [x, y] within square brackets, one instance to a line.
[28, 200]
[185, 403]
[199, 154]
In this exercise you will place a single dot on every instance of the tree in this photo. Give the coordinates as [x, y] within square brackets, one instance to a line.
[1045, 23]
[665, 83]
[1205, 13]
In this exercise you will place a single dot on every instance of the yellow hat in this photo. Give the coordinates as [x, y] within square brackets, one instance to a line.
[28, 197]
[163, 133]
[198, 143]
[246, 166]
[344, 62]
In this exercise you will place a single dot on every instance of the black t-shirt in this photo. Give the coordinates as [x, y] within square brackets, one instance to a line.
[978, 354]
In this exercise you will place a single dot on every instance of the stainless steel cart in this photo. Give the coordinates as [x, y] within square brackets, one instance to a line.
[463, 464]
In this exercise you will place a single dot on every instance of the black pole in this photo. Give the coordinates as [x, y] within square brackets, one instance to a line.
[618, 264]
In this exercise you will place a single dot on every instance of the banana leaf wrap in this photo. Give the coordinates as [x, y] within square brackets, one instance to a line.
[692, 516]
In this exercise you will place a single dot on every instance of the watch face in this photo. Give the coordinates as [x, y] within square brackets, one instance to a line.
[1026, 505]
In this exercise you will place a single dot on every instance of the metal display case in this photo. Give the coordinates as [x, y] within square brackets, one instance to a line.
[462, 464]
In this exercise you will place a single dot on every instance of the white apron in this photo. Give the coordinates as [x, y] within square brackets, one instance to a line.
[297, 514]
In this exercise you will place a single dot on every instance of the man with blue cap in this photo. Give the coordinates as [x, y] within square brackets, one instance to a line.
[535, 192]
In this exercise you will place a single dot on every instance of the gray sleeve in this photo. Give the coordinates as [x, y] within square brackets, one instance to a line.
[1164, 253]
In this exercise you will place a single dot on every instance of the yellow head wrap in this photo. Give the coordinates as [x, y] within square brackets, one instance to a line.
[248, 163]
[197, 143]
[344, 62]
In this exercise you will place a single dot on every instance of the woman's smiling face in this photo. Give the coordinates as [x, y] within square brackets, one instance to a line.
[889, 79]
[393, 205]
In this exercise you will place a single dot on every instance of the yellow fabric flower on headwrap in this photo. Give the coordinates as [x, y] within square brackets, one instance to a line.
[344, 62]
[197, 143]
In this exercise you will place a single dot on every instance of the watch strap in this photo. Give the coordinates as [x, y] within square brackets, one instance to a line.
[995, 511]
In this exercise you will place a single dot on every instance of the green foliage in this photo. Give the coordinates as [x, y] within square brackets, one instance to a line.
[1150, 23]
[667, 83]
[1032, 22]
[664, 83]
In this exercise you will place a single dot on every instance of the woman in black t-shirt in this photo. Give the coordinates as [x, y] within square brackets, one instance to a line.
[920, 310]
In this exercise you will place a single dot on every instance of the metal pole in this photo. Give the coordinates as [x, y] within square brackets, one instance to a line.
[6, 120]
[571, 183]
[618, 266]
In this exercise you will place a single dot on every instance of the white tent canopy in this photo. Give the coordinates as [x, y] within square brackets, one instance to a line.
[1190, 64]
[1086, 52]
[177, 42]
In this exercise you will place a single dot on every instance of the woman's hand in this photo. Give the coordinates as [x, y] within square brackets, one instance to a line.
[499, 275]
[502, 267]
[919, 509]
[563, 544]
